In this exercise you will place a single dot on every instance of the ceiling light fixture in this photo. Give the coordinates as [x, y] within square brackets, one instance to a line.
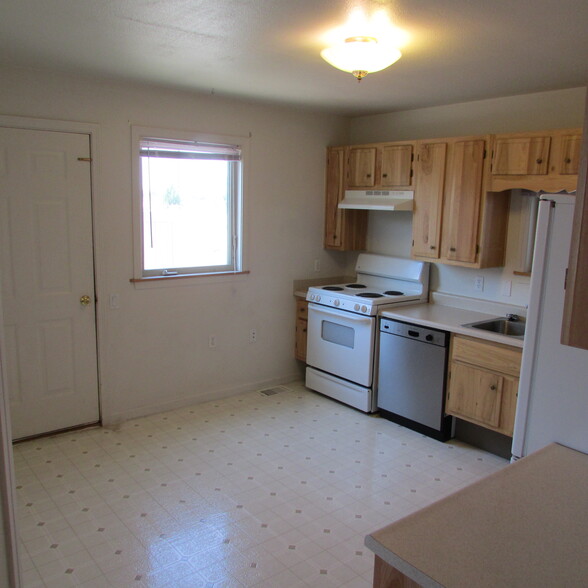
[360, 56]
[364, 44]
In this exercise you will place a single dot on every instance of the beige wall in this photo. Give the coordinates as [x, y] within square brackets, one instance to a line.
[153, 351]
[390, 233]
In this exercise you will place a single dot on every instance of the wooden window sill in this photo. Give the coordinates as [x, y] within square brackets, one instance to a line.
[184, 276]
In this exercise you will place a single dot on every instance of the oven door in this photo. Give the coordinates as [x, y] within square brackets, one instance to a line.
[341, 343]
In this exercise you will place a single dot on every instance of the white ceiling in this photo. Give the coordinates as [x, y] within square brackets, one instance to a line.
[459, 50]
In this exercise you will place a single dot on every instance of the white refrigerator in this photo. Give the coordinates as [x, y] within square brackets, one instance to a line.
[552, 403]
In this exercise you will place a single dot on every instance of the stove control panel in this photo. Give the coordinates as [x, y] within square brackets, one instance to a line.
[341, 303]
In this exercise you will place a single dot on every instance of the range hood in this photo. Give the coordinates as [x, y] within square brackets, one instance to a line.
[378, 199]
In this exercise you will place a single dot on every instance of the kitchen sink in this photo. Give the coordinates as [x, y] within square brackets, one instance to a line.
[502, 326]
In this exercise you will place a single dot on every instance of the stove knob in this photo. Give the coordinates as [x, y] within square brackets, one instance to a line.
[429, 338]
[364, 308]
[356, 307]
[318, 297]
[337, 302]
[311, 296]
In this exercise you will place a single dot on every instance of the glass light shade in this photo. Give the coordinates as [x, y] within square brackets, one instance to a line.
[361, 55]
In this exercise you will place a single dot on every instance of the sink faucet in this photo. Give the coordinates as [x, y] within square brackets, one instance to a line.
[512, 317]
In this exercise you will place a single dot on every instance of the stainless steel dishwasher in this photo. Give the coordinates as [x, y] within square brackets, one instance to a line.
[412, 372]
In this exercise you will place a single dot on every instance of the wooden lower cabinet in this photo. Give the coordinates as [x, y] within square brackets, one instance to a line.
[483, 383]
[387, 576]
[301, 329]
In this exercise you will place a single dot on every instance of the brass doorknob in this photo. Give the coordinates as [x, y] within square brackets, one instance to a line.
[85, 300]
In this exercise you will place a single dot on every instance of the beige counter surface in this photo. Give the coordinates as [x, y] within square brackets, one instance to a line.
[448, 318]
[525, 526]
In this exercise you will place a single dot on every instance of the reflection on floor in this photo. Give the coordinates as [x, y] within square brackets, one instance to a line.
[269, 491]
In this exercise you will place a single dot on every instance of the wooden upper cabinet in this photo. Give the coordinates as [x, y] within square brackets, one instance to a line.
[521, 156]
[362, 167]
[455, 220]
[575, 319]
[381, 165]
[431, 159]
[345, 230]
[546, 160]
[462, 200]
[334, 193]
[396, 166]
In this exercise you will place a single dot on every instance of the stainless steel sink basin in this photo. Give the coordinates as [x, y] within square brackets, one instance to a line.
[502, 326]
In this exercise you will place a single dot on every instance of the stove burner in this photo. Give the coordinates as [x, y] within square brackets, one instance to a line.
[332, 288]
[370, 295]
[393, 293]
[355, 286]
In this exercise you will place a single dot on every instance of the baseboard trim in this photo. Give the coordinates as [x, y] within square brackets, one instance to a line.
[120, 417]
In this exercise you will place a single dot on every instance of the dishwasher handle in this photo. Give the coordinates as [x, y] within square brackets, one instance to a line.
[416, 332]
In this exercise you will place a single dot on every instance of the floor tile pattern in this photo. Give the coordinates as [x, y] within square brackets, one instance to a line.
[273, 491]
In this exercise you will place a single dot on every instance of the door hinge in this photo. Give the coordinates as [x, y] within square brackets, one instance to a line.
[566, 280]
[477, 249]
[411, 172]
[485, 153]
[84, 159]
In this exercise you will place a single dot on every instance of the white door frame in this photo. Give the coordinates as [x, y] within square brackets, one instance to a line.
[7, 504]
[9, 564]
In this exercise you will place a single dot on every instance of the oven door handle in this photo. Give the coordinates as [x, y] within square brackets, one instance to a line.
[348, 316]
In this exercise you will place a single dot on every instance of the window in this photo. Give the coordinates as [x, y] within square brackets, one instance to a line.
[189, 202]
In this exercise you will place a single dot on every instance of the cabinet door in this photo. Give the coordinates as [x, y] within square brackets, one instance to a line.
[428, 199]
[345, 230]
[570, 154]
[463, 195]
[396, 166]
[334, 194]
[521, 156]
[301, 339]
[362, 167]
[475, 395]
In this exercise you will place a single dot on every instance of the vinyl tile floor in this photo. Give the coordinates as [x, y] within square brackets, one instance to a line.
[271, 491]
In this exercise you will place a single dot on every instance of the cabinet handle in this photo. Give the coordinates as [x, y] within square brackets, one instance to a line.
[568, 160]
[452, 249]
[386, 175]
[493, 387]
[368, 175]
[432, 247]
[539, 160]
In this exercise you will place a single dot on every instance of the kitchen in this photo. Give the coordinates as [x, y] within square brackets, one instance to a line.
[151, 324]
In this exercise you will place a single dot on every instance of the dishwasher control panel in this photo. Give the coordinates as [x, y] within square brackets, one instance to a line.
[416, 332]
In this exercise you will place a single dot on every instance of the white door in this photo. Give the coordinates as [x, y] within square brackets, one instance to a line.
[47, 276]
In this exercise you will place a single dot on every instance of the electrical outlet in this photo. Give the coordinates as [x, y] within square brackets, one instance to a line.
[253, 336]
[114, 301]
[317, 265]
[506, 287]
[479, 283]
[212, 341]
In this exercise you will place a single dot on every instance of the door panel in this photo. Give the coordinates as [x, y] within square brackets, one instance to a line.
[46, 266]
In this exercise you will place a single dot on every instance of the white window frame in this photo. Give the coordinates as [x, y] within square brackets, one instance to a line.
[139, 134]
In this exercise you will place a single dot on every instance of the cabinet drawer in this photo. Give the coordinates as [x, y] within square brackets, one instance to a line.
[492, 356]
[302, 309]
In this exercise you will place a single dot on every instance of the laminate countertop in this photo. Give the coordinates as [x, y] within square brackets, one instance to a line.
[449, 318]
[524, 526]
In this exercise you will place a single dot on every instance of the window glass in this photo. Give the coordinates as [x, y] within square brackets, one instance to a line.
[190, 200]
